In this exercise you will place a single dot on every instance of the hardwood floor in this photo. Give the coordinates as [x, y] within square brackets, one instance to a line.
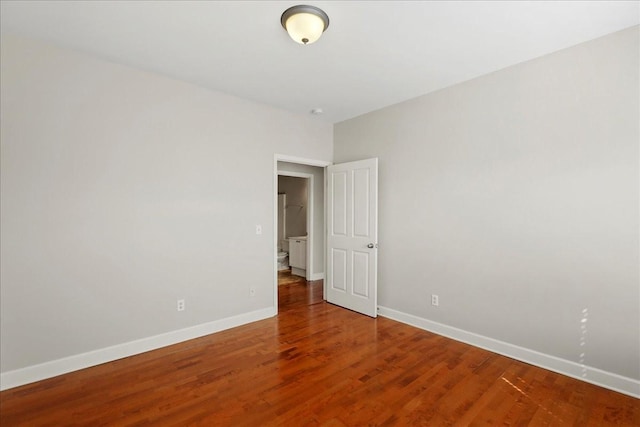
[286, 278]
[316, 365]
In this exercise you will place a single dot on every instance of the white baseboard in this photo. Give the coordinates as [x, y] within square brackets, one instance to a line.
[316, 276]
[65, 365]
[54, 368]
[588, 374]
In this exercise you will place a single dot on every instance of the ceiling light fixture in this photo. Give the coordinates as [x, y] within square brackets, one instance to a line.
[305, 24]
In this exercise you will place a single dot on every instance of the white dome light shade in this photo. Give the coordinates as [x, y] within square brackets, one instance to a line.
[305, 28]
[305, 24]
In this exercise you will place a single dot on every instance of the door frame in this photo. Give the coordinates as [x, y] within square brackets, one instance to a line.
[301, 161]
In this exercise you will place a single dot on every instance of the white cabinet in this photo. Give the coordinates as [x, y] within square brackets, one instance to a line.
[298, 255]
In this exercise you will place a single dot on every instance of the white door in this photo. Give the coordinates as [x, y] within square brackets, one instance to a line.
[352, 235]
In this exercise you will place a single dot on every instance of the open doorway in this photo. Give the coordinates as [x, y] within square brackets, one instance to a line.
[298, 242]
[295, 225]
[348, 231]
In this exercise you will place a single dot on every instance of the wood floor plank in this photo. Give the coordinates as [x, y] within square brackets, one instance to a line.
[316, 364]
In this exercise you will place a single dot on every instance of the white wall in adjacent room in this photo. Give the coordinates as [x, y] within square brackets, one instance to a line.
[296, 218]
[318, 211]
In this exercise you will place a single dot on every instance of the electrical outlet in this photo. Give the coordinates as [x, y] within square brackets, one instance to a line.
[252, 291]
[435, 301]
[181, 305]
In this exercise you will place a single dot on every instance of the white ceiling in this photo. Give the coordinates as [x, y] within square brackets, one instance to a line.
[374, 53]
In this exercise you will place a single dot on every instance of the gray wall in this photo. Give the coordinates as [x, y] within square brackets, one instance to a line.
[116, 201]
[296, 209]
[514, 197]
[318, 211]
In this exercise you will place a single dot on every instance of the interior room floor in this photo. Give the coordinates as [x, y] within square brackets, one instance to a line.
[286, 278]
[316, 364]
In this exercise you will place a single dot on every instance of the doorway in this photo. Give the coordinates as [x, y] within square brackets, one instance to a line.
[295, 222]
[348, 224]
[312, 171]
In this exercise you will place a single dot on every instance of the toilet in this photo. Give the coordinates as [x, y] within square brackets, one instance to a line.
[283, 261]
[283, 255]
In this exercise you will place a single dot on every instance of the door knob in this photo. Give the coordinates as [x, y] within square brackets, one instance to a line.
[370, 245]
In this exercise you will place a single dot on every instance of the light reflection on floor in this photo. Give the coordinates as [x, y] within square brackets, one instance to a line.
[537, 402]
